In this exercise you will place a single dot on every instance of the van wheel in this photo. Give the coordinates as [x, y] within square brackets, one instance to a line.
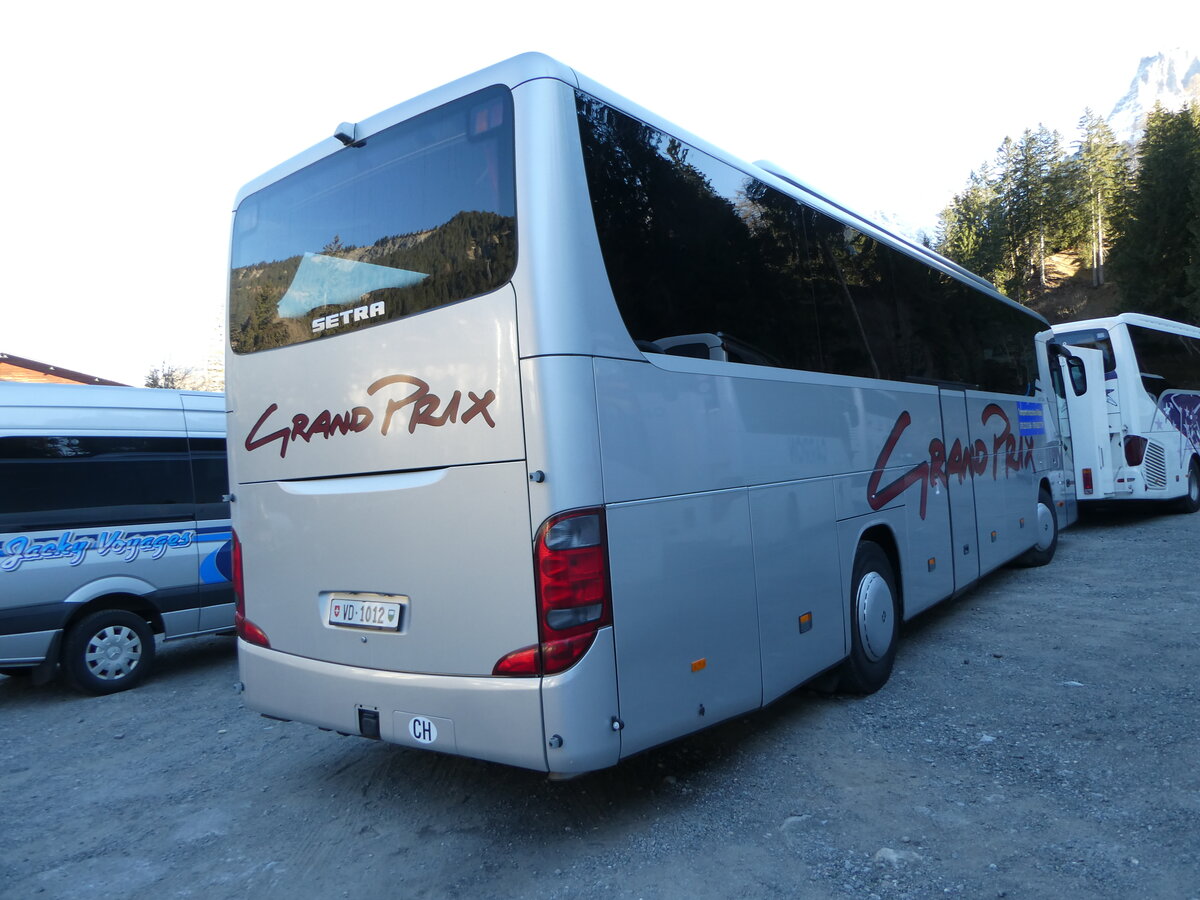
[108, 651]
[1190, 502]
[1042, 552]
[874, 622]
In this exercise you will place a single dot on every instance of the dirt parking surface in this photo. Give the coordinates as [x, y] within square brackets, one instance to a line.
[1039, 738]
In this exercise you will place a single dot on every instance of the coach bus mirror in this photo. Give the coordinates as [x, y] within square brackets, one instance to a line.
[1077, 374]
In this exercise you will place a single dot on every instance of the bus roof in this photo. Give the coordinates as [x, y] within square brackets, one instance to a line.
[1143, 321]
[530, 66]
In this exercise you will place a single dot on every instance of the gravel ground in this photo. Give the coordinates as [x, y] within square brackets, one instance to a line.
[1038, 739]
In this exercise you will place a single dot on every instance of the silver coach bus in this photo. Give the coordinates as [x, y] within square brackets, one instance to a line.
[557, 433]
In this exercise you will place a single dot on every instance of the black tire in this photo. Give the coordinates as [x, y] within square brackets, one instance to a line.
[108, 651]
[1190, 502]
[1042, 552]
[874, 622]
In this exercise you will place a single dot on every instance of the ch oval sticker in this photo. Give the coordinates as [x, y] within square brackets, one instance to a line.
[423, 731]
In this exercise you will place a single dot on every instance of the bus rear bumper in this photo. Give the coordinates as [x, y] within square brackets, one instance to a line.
[496, 719]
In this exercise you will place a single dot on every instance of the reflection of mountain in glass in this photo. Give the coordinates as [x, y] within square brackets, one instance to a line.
[272, 304]
[324, 280]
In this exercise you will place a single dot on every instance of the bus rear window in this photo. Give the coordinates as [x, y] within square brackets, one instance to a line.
[417, 216]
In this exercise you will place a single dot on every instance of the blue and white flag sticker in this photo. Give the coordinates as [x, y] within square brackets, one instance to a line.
[1030, 418]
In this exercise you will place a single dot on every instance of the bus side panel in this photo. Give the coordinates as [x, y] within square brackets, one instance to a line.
[684, 614]
[1178, 417]
[559, 405]
[666, 429]
[579, 709]
[898, 486]
[802, 611]
[1005, 481]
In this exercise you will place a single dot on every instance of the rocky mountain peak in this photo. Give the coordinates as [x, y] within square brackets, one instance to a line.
[1171, 78]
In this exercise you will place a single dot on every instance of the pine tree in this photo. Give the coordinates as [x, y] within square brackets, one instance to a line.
[965, 230]
[1098, 181]
[1029, 191]
[1158, 255]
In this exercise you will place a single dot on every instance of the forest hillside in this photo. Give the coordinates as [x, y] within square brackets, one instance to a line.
[1091, 224]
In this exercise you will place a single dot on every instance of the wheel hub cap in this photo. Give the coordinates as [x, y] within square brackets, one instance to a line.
[1045, 524]
[875, 626]
[113, 653]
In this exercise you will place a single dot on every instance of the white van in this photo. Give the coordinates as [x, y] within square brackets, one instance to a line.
[114, 528]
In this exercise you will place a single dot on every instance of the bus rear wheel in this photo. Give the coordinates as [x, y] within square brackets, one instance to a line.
[874, 622]
[1190, 502]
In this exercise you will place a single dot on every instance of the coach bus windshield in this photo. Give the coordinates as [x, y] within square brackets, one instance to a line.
[417, 216]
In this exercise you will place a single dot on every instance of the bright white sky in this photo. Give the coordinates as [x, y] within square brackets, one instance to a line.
[131, 125]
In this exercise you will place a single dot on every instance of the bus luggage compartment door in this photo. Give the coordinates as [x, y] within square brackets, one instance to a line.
[684, 614]
[961, 492]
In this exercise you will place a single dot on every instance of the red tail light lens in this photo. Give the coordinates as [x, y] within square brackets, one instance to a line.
[246, 629]
[1135, 449]
[571, 567]
[1087, 481]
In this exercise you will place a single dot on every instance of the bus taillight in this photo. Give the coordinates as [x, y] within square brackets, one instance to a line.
[571, 566]
[1087, 481]
[1135, 449]
[245, 629]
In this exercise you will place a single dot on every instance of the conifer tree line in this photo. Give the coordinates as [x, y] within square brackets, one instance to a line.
[1132, 214]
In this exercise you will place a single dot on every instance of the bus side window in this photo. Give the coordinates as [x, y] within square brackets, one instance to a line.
[1154, 385]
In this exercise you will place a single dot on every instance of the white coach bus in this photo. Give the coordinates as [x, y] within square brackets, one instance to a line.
[558, 433]
[1135, 431]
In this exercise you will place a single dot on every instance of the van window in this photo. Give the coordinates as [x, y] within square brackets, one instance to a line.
[71, 481]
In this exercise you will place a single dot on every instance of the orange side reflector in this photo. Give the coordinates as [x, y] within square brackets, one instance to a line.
[806, 622]
[699, 664]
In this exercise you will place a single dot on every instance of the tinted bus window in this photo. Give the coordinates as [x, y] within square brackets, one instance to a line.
[805, 290]
[1167, 361]
[417, 216]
